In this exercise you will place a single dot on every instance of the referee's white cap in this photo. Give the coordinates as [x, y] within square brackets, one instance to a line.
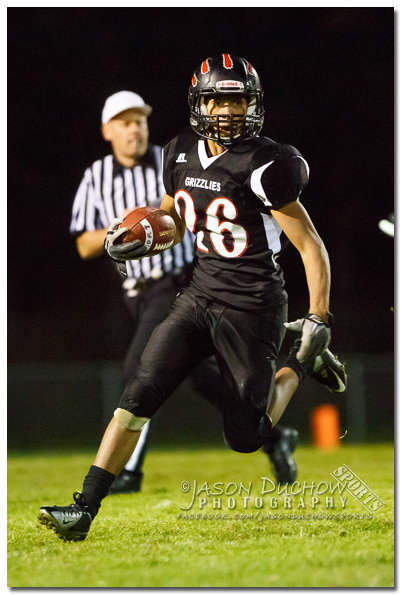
[119, 102]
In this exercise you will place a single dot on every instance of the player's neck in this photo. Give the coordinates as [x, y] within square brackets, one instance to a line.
[215, 149]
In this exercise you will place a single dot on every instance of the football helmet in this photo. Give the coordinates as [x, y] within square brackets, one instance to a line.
[226, 74]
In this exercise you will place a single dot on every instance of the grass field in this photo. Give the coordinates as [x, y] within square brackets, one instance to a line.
[139, 541]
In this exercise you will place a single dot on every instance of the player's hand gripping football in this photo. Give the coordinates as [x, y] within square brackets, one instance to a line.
[122, 252]
[315, 336]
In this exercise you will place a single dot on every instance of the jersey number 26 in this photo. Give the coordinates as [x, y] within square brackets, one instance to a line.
[213, 225]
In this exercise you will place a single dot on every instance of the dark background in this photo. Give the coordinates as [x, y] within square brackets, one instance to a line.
[328, 80]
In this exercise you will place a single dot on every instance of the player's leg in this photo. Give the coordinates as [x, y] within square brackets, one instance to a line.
[247, 345]
[278, 446]
[206, 381]
[149, 308]
[286, 383]
[282, 441]
[247, 348]
[130, 478]
[325, 369]
[72, 522]
[174, 349]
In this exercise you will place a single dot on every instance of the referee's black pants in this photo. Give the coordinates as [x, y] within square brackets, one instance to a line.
[245, 345]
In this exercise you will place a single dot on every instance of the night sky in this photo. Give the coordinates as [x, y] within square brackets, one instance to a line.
[327, 74]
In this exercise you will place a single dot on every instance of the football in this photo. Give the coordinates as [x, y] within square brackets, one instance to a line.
[153, 227]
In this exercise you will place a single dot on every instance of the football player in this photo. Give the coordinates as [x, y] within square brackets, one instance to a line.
[236, 191]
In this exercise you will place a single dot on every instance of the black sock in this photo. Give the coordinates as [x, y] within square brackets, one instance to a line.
[96, 487]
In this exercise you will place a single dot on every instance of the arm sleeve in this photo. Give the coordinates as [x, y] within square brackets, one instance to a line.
[280, 181]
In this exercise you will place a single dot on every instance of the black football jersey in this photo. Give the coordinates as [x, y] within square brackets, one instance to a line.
[226, 201]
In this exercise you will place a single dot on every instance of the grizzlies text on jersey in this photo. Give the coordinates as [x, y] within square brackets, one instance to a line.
[226, 201]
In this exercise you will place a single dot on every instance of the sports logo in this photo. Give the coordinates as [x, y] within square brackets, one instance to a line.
[205, 67]
[227, 61]
[250, 69]
[194, 80]
[229, 85]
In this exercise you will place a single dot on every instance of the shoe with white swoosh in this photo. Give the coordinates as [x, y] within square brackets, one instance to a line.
[70, 523]
[328, 370]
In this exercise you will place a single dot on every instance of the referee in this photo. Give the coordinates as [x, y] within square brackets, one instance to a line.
[131, 177]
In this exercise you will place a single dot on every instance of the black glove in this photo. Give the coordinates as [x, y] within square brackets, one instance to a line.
[315, 338]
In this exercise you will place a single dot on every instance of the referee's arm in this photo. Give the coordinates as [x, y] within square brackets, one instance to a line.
[90, 243]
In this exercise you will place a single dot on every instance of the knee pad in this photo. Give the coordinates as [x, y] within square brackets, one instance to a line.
[242, 444]
[130, 421]
[141, 400]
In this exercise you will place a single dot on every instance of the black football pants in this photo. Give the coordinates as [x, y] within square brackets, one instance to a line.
[148, 309]
[245, 345]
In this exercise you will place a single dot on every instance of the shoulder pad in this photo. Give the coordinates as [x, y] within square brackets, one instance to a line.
[269, 150]
[186, 138]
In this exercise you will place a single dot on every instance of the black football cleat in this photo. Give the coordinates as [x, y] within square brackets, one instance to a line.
[127, 482]
[70, 523]
[281, 456]
[328, 370]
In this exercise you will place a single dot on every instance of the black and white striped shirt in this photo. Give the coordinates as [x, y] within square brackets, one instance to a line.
[108, 188]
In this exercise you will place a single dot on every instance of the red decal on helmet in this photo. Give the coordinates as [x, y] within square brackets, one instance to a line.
[250, 69]
[194, 80]
[227, 61]
[205, 67]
